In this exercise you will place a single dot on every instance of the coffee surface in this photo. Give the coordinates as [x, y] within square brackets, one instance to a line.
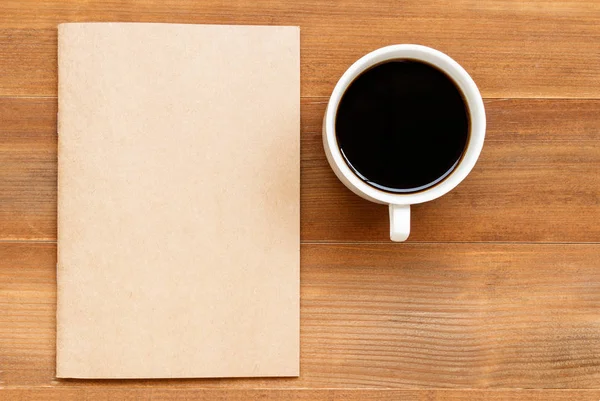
[402, 126]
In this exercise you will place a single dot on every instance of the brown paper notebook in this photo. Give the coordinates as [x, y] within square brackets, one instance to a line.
[178, 201]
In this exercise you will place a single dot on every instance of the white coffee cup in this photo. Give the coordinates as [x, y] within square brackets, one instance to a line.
[399, 203]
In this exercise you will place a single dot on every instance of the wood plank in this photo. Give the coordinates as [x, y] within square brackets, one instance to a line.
[379, 316]
[28, 61]
[27, 312]
[170, 393]
[48, 394]
[28, 169]
[538, 179]
[511, 48]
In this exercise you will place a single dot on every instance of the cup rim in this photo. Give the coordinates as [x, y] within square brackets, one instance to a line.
[472, 97]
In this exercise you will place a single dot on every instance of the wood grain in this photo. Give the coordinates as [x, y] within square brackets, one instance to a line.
[511, 48]
[378, 316]
[174, 393]
[538, 179]
[28, 61]
[28, 169]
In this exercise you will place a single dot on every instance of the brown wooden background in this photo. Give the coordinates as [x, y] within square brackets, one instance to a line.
[497, 294]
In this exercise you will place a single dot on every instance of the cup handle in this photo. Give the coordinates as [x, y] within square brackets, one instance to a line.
[399, 222]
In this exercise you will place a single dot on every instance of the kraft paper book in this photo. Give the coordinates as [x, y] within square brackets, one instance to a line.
[178, 201]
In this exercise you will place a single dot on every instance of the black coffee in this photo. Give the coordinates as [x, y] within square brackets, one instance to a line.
[402, 126]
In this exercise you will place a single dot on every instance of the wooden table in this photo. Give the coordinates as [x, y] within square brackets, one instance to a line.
[495, 296]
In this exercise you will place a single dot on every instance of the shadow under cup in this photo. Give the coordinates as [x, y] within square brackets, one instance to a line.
[402, 126]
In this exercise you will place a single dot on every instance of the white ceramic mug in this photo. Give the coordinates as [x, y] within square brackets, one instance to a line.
[399, 204]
